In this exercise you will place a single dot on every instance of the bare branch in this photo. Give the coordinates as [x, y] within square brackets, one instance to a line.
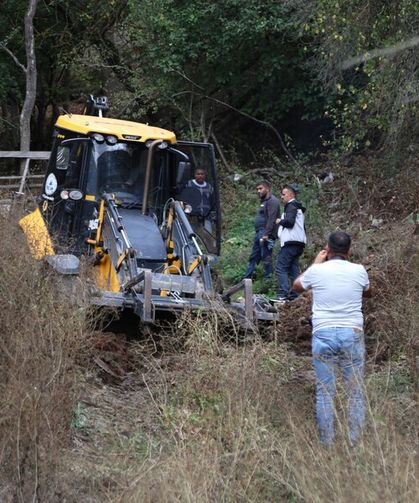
[90, 64]
[221, 153]
[248, 116]
[187, 79]
[10, 53]
[388, 52]
[264, 123]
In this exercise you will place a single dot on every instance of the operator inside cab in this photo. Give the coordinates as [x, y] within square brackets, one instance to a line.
[199, 194]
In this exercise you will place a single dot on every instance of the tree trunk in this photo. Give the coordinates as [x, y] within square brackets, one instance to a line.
[31, 75]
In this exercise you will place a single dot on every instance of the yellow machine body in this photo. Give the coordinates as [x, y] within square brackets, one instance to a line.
[123, 195]
[37, 235]
[122, 129]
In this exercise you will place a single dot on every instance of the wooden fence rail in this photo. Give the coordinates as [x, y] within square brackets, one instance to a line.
[14, 182]
[19, 154]
[25, 179]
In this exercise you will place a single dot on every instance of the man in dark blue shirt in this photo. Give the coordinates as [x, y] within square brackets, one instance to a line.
[265, 231]
[205, 203]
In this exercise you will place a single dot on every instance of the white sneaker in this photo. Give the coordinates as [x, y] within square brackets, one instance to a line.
[279, 300]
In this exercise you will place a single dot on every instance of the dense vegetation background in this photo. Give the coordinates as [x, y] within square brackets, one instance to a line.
[321, 92]
[294, 75]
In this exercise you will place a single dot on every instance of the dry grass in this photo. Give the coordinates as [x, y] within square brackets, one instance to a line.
[200, 410]
[41, 335]
[239, 427]
[236, 420]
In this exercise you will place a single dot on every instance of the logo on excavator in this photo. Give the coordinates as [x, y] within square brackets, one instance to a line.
[51, 184]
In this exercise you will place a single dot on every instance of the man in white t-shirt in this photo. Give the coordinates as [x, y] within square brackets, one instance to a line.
[338, 336]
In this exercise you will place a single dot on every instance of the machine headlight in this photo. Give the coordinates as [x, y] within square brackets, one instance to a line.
[98, 137]
[111, 140]
[75, 195]
[161, 145]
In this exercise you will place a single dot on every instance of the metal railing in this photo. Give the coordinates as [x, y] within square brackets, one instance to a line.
[17, 183]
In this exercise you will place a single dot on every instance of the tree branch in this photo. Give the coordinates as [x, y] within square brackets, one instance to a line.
[376, 53]
[248, 116]
[10, 53]
[221, 153]
[187, 78]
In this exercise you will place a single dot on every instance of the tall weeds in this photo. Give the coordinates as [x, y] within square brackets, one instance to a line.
[41, 335]
[239, 427]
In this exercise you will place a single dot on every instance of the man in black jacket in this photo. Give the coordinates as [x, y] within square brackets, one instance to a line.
[265, 231]
[292, 236]
[204, 194]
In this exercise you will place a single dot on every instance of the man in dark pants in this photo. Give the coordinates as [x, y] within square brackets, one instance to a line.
[292, 236]
[265, 228]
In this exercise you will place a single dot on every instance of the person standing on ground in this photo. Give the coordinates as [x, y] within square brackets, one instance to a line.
[338, 335]
[265, 230]
[292, 236]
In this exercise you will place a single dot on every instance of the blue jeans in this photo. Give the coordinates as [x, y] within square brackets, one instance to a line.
[260, 252]
[288, 269]
[335, 348]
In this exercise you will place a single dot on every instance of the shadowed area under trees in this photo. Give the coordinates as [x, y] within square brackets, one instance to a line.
[224, 70]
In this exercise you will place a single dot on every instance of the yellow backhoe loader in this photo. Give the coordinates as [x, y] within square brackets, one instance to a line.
[119, 193]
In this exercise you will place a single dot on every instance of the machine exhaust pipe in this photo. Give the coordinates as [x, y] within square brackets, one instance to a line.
[148, 174]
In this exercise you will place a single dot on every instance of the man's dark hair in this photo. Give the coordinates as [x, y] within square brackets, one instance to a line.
[264, 183]
[339, 242]
[292, 188]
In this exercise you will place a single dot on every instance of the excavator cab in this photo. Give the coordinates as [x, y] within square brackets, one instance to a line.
[84, 167]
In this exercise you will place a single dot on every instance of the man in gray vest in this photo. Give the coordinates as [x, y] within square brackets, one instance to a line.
[292, 239]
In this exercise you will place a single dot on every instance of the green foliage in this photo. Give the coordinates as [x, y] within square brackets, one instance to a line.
[239, 206]
[203, 68]
[140, 445]
[375, 96]
[74, 53]
[79, 421]
[203, 58]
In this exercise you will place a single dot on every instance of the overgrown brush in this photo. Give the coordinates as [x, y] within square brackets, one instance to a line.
[42, 333]
[206, 411]
[392, 313]
[239, 426]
